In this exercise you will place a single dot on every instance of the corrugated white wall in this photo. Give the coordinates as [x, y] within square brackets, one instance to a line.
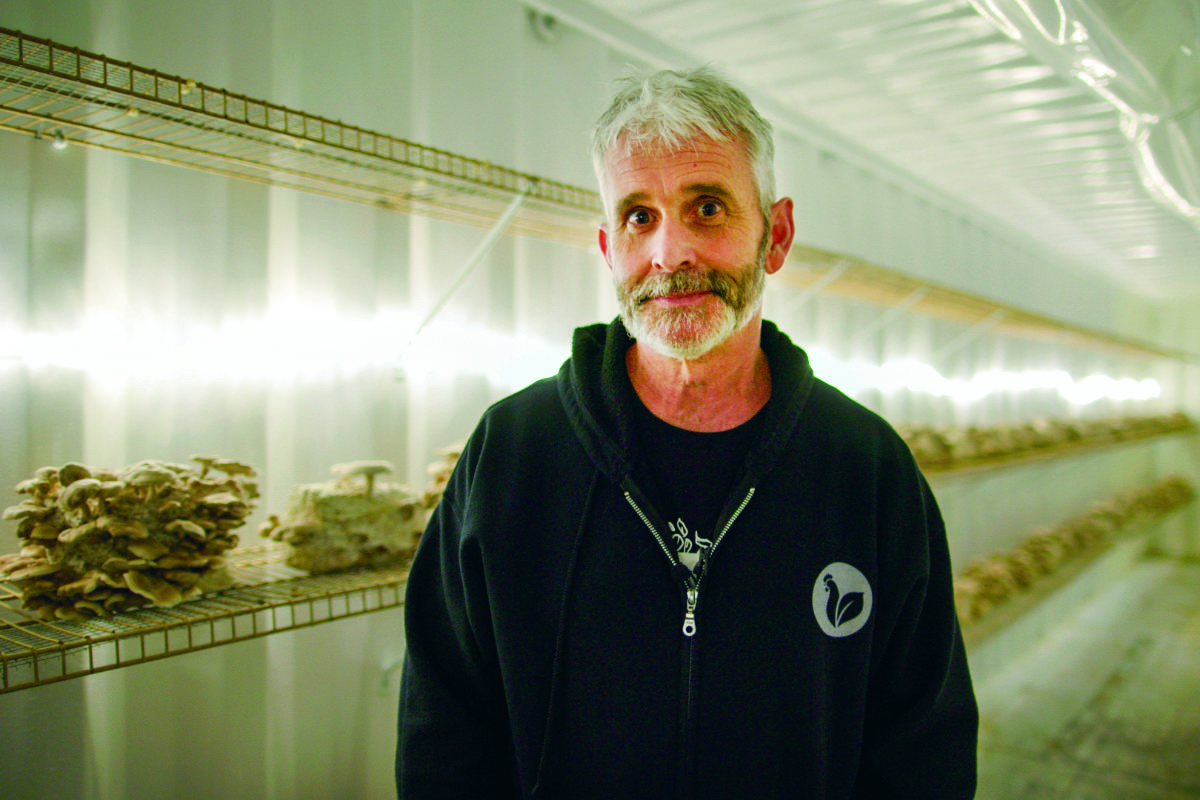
[87, 234]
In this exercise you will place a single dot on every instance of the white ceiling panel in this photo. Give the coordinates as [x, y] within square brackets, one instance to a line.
[1006, 126]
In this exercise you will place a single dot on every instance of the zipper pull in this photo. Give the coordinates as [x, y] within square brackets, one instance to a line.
[689, 616]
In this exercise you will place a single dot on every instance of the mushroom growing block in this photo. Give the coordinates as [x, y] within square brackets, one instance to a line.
[99, 541]
[352, 521]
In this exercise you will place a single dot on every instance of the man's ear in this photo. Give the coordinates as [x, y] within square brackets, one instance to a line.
[783, 230]
[603, 240]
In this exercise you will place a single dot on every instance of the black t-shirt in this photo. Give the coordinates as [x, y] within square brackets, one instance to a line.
[693, 475]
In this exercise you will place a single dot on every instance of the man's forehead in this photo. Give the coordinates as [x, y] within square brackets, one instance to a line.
[697, 166]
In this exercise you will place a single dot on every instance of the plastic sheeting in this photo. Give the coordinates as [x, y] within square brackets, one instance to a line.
[1144, 59]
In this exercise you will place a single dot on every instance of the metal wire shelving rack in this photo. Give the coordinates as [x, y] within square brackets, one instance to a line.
[812, 269]
[73, 96]
[267, 597]
[940, 472]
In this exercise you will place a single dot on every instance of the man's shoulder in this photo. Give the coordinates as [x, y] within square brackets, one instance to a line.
[853, 424]
[830, 400]
[539, 393]
[531, 411]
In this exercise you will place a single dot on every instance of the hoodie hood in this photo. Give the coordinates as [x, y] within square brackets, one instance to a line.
[594, 388]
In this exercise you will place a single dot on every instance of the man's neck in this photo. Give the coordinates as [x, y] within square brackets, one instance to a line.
[720, 390]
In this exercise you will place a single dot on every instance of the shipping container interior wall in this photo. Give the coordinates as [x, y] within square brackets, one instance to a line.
[109, 245]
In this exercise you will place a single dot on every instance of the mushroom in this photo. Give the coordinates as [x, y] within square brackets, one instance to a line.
[25, 510]
[123, 528]
[32, 569]
[115, 565]
[265, 529]
[153, 588]
[185, 527]
[183, 577]
[44, 531]
[73, 499]
[96, 609]
[11, 560]
[88, 531]
[168, 507]
[178, 559]
[47, 474]
[102, 497]
[69, 473]
[221, 515]
[368, 469]
[232, 468]
[219, 544]
[88, 583]
[206, 463]
[33, 551]
[146, 548]
[68, 613]
[148, 474]
[36, 488]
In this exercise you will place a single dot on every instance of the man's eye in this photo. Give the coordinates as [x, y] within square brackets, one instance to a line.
[709, 208]
[638, 217]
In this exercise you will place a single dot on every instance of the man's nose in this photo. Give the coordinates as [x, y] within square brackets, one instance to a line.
[673, 246]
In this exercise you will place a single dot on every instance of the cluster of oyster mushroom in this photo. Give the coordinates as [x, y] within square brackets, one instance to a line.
[100, 541]
[349, 522]
[989, 582]
[943, 447]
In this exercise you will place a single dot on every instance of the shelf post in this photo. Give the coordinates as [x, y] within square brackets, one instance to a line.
[816, 288]
[969, 335]
[473, 261]
[887, 317]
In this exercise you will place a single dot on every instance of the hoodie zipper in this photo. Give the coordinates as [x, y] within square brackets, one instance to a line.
[645, 519]
[691, 583]
[691, 595]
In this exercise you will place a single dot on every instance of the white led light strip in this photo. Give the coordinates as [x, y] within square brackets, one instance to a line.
[915, 376]
[285, 345]
[306, 343]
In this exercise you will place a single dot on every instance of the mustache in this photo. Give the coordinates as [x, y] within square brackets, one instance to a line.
[683, 282]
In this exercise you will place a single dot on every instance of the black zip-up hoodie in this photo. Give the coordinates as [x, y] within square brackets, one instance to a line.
[556, 648]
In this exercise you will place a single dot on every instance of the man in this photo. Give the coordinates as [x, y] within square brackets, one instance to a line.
[685, 567]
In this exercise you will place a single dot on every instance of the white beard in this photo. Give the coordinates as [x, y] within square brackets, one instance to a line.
[690, 332]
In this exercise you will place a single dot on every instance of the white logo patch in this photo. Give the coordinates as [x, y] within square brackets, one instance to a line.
[841, 599]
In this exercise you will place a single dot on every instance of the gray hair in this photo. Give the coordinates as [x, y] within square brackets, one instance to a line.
[670, 107]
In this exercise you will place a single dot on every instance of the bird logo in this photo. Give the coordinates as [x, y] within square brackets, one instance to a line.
[841, 600]
[841, 607]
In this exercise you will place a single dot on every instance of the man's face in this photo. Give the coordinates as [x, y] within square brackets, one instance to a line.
[687, 244]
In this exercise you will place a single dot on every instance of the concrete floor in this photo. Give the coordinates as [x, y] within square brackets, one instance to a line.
[1106, 706]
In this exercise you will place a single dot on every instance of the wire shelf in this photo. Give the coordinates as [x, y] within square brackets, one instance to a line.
[54, 91]
[839, 274]
[267, 597]
[1033, 455]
